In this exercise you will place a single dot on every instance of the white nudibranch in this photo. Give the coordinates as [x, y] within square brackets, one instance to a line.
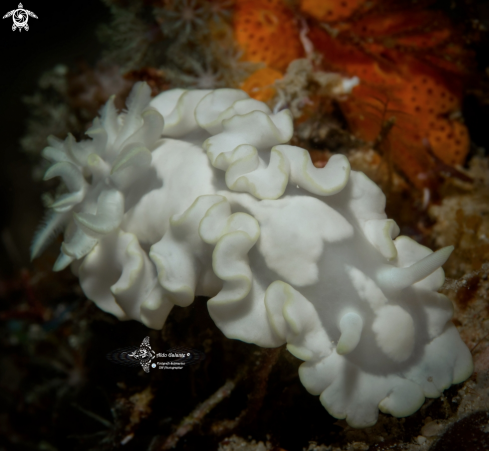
[196, 193]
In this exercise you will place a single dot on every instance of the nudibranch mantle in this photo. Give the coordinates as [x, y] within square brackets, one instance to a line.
[198, 193]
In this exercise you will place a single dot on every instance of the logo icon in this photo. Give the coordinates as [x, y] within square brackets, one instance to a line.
[20, 17]
[144, 356]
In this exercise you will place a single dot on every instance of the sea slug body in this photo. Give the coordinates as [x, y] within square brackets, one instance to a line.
[198, 193]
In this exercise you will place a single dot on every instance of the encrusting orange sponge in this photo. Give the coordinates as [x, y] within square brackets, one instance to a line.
[330, 10]
[267, 33]
[411, 70]
[403, 79]
[259, 84]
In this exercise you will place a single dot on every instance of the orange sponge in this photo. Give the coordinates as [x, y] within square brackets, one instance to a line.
[267, 32]
[400, 60]
[331, 10]
[411, 68]
[259, 84]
